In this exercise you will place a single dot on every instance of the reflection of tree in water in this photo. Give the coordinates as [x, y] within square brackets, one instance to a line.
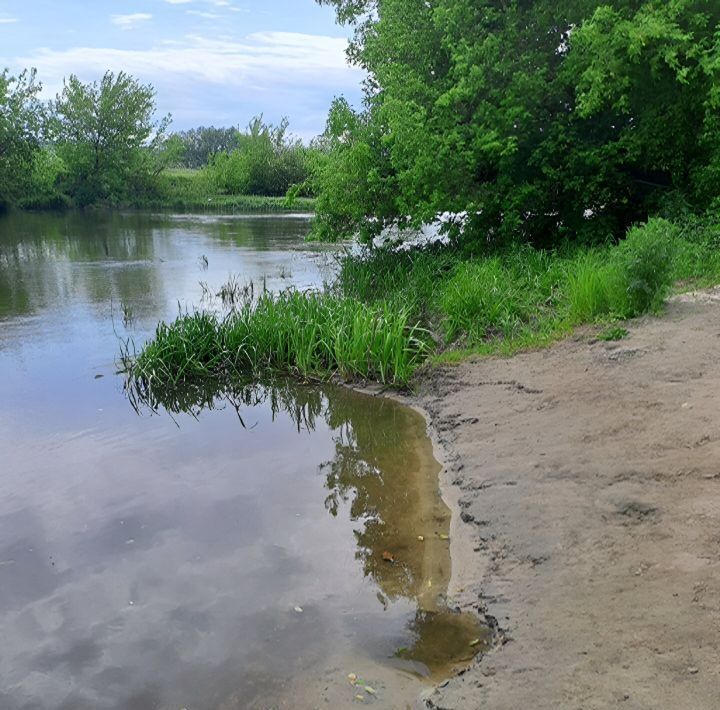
[384, 471]
[384, 474]
[40, 256]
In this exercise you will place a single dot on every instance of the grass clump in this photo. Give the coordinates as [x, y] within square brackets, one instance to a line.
[499, 296]
[309, 335]
[613, 333]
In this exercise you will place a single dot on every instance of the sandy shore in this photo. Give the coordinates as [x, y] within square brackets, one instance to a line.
[586, 486]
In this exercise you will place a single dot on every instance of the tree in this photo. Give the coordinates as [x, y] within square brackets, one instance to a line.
[267, 161]
[543, 120]
[106, 134]
[202, 144]
[20, 127]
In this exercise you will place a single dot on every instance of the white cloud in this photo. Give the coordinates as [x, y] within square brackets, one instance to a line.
[263, 58]
[219, 80]
[8, 20]
[128, 22]
[204, 15]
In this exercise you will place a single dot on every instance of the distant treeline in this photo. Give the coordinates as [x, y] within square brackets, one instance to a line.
[101, 143]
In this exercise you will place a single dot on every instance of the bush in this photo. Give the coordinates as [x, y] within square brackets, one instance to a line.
[266, 162]
[645, 259]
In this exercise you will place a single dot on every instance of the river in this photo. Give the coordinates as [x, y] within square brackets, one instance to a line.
[285, 547]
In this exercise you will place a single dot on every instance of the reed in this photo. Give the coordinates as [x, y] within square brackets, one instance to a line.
[304, 335]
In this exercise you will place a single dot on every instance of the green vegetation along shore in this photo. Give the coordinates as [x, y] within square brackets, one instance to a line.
[188, 189]
[578, 144]
[101, 144]
[388, 312]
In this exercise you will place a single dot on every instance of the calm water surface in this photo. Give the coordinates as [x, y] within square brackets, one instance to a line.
[206, 561]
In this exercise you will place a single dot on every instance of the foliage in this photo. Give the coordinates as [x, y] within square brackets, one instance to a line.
[697, 257]
[105, 133]
[21, 118]
[185, 189]
[267, 161]
[595, 288]
[47, 172]
[645, 260]
[496, 296]
[545, 121]
[521, 294]
[203, 143]
[301, 334]
[168, 152]
[613, 333]
[378, 320]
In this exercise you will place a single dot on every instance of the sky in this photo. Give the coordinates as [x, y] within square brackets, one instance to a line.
[212, 62]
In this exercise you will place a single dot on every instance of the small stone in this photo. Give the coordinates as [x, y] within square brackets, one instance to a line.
[421, 538]
[692, 670]
[299, 609]
[352, 677]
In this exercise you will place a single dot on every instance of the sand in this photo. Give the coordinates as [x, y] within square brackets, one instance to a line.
[585, 483]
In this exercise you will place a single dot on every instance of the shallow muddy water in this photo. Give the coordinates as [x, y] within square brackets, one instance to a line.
[249, 555]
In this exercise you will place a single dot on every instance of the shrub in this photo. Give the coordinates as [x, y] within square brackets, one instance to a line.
[645, 259]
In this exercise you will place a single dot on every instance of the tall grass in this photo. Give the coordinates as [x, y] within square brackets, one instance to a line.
[379, 321]
[594, 287]
[523, 294]
[308, 335]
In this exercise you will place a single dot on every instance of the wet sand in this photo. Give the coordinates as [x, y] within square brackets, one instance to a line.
[585, 485]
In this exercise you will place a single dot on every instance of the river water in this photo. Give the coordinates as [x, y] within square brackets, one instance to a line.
[286, 547]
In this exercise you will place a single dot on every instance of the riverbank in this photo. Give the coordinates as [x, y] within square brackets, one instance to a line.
[585, 485]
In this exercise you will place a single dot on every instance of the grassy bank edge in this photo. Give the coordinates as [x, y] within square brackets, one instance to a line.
[435, 308]
[226, 204]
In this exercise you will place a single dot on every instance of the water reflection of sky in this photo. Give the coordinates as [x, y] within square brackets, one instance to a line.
[157, 562]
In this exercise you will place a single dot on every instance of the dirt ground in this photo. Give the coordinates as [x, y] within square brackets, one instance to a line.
[587, 484]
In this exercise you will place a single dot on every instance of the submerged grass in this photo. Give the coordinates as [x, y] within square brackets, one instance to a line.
[308, 335]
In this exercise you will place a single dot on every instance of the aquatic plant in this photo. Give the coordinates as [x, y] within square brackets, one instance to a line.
[306, 335]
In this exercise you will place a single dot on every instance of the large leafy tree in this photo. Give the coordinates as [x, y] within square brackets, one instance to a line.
[20, 126]
[543, 119]
[107, 135]
[202, 144]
